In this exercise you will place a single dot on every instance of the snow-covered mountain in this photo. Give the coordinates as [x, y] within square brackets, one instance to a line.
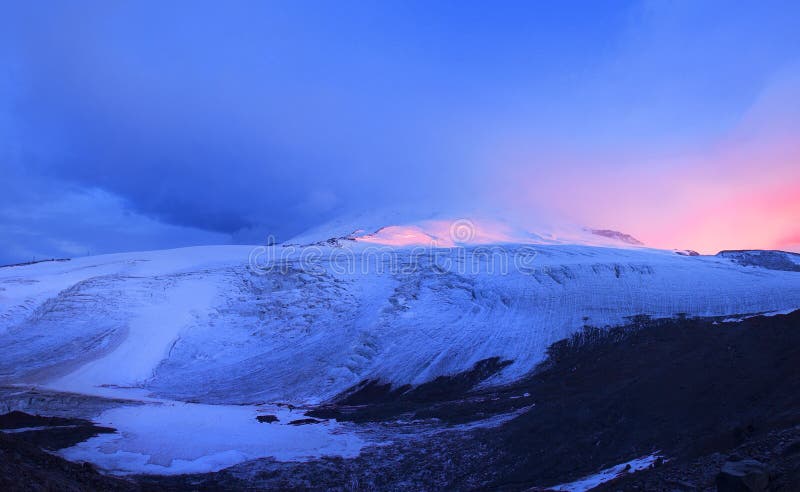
[222, 325]
[189, 349]
[403, 228]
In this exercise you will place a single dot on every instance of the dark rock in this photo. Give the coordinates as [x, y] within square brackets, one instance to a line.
[769, 259]
[25, 467]
[267, 419]
[305, 421]
[686, 485]
[18, 420]
[791, 449]
[619, 236]
[743, 476]
[372, 400]
[50, 432]
[33, 262]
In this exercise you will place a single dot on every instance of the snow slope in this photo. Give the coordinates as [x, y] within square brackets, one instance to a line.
[199, 324]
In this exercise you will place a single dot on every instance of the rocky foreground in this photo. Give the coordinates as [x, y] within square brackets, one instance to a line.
[717, 401]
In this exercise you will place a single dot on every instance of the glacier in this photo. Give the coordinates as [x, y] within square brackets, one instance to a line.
[204, 325]
[181, 350]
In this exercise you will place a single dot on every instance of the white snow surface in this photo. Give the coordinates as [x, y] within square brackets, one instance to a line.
[402, 227]
[204, 341]
[169, 438]
[603, 476]
[198, 324]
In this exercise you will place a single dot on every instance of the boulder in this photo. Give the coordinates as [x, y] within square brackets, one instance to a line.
[745, 475]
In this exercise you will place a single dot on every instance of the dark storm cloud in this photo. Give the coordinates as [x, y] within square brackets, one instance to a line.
[255, 118]
[226, 120]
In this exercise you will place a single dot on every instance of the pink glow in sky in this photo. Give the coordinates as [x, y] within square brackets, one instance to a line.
[742, 191]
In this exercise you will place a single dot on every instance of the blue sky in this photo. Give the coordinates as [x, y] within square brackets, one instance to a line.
[140, 125]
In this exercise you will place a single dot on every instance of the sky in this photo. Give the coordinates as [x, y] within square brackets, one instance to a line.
[143, 125]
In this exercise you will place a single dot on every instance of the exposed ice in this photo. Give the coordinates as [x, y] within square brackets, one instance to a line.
[168, 438]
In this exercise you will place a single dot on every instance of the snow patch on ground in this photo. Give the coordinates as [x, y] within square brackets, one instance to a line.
[603, 476]
[171, 438]
[768, 314]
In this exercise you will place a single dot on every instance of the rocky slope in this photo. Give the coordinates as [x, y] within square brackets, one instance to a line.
[698, 395]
